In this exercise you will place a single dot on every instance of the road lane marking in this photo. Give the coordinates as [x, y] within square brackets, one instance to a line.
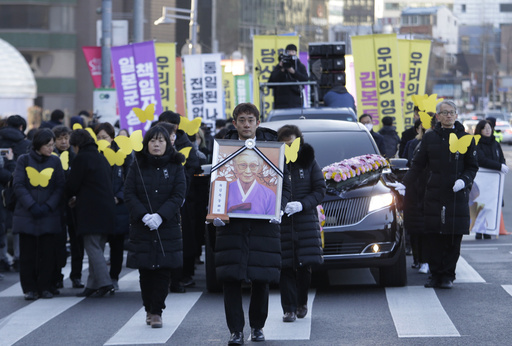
[135, 331]
[417, 312]
[276, 329]
[25, 320]
[507, 288]
[465, 273]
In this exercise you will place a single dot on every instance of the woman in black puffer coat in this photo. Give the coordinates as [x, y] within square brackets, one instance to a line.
[301, 245]
[38, 212]
[489, 154]
[154, 192]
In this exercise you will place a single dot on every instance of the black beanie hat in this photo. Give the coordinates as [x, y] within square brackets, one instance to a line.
[291, 47]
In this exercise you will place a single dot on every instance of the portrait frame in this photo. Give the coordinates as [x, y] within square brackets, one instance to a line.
[253, 188]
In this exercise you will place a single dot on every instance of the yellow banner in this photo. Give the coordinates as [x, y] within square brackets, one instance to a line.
[414, 58]
[376, 72]
[266, 50]
[165, 62]
[228, 85]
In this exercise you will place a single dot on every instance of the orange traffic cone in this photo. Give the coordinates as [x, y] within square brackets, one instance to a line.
[503, 231]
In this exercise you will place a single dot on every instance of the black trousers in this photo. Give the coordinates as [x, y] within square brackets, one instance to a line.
[294, 286]
[418, 247]
[37, 262]
[116, 242]
[258, 307]
[76, 243]
[154, 287]
[443, 251]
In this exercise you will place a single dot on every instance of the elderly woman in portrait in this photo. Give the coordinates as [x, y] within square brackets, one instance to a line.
[38, 184]
[245, 194]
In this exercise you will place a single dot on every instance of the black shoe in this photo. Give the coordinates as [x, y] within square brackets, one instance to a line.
[46, 295]
[59, 284]
[416, 265]
[31, 296]
[174, 288]
[446, 283]
[432, 282]
[302, 311]
[237, 338]
[100, 292]
[257, 334]
[478, 236]
[77, 283]
[187, 282]
[16, 265]
[86, 292]
[487, 236]
[289, 317]
[4, 266]
[55, 291]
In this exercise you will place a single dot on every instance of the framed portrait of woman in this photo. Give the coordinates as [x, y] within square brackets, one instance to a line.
[246, 179]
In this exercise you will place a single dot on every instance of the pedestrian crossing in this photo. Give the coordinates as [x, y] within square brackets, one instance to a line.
[416, 312]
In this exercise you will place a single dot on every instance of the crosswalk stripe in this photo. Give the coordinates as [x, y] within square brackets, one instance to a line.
[465, 273]
[130, 282]
[417, 312]
[507, 288]
[22, 322]
[276, 329]
[135, 331]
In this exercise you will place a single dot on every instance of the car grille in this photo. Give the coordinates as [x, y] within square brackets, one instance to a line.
[343, 249]
[343, 212]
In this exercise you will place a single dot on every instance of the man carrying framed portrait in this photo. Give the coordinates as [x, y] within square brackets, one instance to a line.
[248, 195]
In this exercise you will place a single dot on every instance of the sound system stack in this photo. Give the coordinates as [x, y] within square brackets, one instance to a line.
[327, 65]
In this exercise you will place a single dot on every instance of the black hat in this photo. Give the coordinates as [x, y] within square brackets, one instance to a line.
[291, 47]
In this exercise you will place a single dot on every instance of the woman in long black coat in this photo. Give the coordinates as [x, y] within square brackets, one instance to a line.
[154, 192]
[489, 154]
[89, 188]
[301, 246]
[38, 184]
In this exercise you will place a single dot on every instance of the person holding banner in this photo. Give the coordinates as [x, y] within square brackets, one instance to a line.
[289, 69]
[489, 153]
[248, 250]
[451, 166]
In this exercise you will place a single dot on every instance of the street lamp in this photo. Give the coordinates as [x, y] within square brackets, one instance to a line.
[169, 15]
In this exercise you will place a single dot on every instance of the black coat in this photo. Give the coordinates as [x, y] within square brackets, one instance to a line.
[414, 194]
[391, 141]
[407, 135]
[155, 185]
[489, 153]
[90, 181]
[250, 249]
[288, 96]
[11, 137]
[192, 165]
[444, 211]
[308, 188]
[118, 176]
[27, 195]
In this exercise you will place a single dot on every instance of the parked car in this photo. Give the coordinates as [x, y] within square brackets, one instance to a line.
[336, 113]
[364, 224]
[506, 130]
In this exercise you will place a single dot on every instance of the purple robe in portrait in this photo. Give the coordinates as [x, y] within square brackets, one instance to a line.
[262, 200]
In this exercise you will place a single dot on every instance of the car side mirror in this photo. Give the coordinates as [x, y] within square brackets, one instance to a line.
[398, 168]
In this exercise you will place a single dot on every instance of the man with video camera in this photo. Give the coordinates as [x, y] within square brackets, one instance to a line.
[289, 69]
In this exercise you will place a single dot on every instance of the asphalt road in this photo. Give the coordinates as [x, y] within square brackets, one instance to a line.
[352, 310]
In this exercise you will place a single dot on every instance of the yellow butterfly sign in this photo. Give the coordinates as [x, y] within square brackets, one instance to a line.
[461, 144]
[113, 157]
[426, 103]
[190, 126]
[129, 144]
[64, 159]
[426, 120]
[148, 114]
[186, 152]
[37, 178]
[77, 126]
[291, 152]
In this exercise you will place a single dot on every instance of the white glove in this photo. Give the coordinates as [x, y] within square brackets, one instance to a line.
[504, 168]
[399, 187]
[146, 218]
[276, 220]
[459, 185]
[218, 222]
[292, 208]
[154, 222]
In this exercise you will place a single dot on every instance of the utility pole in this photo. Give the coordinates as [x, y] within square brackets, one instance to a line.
[138, 21]
[106, 41]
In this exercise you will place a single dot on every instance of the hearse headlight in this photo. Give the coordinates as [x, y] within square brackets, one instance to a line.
[380, 201]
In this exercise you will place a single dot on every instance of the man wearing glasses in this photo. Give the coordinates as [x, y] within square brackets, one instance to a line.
[451, 170]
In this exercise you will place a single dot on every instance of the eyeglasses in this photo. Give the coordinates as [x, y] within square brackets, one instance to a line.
[445, 113]
[243, 166]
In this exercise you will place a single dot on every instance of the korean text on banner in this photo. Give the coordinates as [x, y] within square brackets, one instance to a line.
[377, 71]
[166, 65]
[93, 58]
[414, 57]
[266, 50]
[243, 89]
[203, 85]
[228, 84]
[136, 77]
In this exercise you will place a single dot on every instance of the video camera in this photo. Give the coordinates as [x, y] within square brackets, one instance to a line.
[288, 60]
